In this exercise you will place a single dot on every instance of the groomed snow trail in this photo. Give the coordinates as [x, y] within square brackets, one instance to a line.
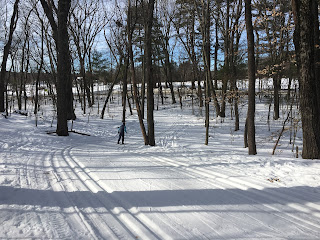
[89, 187]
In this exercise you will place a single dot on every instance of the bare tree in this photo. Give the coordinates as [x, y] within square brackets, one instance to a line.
[86, 22]
[130, 29]
[149, 71]
[226, 59]
[304, 41]
[41, 50]
[64, 84]
[165, 15]
[185, 26]
[6, 51]
[24, 49]
[250, 125]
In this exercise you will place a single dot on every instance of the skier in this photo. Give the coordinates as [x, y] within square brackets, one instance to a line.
[121, 131]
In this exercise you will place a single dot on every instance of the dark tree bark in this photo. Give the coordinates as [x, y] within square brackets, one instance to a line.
[60, 40]
[125, 89]
[149, 72]
[276, 96]
[206, 56]
[304, 41]
[226, 62]
[14, 19]
[130, 27]
[36, 107]
[64, 68]
[25, 60]
[234, 47]
[60, 34]
[168, 69]
[205, 24]
[250, 125]
[216, 49]
[317, 44]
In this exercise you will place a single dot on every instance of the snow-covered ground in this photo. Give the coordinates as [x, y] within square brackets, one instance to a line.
[89, 187]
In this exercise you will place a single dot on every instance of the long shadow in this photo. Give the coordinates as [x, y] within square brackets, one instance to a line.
[157, 198]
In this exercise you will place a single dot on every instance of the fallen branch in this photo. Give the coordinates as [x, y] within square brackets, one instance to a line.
[283, 127]
[72, 131]
[84, 134]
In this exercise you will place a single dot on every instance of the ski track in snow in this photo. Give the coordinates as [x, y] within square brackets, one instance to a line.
[136, 223]
[226, 177]
[91, 188]
[223, 181]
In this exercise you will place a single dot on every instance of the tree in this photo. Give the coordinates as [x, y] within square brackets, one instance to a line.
[130, 29]
[205, 22]
[228, 21]
[315, 15]
[24, 39]
[165, 16]
[226, 59]
[250, 125]
[6, 51]
[235, 36]
[185, 25]
[149, 71]
[273, 21]
[64, 84]
[304, 41]
[86, 22]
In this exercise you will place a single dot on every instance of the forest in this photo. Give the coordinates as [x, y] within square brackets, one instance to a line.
[228, 50]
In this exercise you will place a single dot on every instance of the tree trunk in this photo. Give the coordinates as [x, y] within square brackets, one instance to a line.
[226, 62]
[169, 70]
[130, 27]
[111, 89]
[304, 41]
[125, 89]
[276, 97]
[216, 49]
[195, 62]
[86, 86]
[64, 68]
[206, 57]
[234, 47]
[251, 76]
[14, 19]
[149, 72]
[143, 88]
[64, 83]
[317, 44]
[36, 108]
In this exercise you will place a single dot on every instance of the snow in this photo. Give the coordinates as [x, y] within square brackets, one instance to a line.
[89, 187]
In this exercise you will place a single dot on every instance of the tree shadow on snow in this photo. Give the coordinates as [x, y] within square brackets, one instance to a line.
[160, 198]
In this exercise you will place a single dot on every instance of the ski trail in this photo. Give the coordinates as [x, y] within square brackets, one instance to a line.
[127, 221]
[75, 219]
[198, 213]
[224, 176]
[137, 222]
[224, 183]
[207, 221]
[90, 216]
[308, 211]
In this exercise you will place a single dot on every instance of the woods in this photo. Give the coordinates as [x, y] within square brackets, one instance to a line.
[221, 56]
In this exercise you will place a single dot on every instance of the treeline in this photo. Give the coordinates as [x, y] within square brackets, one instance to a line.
[212, 44]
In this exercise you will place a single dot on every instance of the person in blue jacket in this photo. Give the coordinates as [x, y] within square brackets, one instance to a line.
[122, 129]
